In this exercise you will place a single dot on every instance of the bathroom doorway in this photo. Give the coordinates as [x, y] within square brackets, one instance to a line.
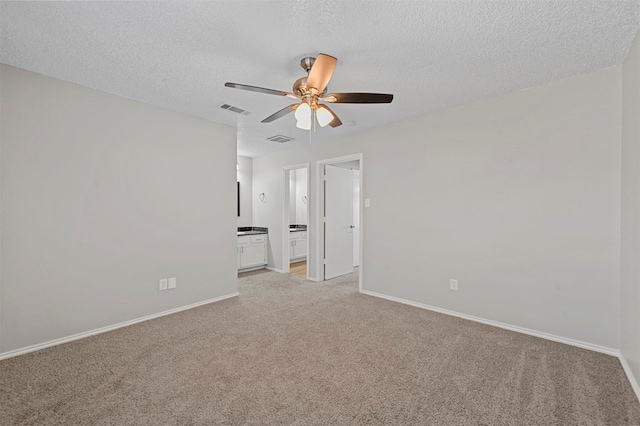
[296, 215]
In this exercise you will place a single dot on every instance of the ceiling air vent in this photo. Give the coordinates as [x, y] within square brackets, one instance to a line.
[280, 138]
[235, 109]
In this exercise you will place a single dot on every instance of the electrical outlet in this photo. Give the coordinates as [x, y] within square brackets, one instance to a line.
[162, 284]
[173, 283]
[453, 285]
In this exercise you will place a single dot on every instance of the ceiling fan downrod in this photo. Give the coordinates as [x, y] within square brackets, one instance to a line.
[307, 63]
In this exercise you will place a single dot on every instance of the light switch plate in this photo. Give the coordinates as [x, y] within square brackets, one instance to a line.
[367, 202]
[173, 283]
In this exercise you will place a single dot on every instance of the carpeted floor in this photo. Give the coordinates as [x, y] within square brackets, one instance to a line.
[288, 351]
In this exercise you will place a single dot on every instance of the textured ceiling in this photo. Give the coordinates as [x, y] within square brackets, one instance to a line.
[429, 54]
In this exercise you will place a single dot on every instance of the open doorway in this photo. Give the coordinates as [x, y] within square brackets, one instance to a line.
[340, 216]
[296, 219]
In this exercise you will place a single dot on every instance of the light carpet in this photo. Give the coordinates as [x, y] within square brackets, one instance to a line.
[291, 352]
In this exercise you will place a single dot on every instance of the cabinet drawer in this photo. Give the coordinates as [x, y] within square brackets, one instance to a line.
[297, 235]
[258, 239]
[243, 240]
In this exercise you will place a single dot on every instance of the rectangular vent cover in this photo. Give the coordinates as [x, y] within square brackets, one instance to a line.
[280, 138]
[235, 109]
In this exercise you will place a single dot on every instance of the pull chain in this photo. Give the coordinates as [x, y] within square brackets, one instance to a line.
[313, 124]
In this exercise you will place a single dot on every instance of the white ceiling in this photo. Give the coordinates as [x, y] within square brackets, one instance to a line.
[429, 54]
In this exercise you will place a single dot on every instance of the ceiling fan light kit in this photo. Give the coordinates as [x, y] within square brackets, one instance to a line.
[324, 116]
[303, 116]
[311, 90]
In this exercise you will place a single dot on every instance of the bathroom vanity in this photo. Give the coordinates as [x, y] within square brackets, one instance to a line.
[252, 248]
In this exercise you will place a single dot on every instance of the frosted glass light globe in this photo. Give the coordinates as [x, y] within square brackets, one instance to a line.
[324, 116]
[303, 112]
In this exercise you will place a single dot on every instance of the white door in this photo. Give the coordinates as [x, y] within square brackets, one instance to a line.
[338, 235]
[356, 218]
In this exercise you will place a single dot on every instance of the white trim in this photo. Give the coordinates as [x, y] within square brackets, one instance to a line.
[542, 335]
[252, 268]
[630, 376]
[342, 159]
[39, 346]
[319, 240]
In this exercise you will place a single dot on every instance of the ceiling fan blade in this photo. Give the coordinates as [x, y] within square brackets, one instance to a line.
[259, 89]
[336, 121]
[284, 111]
[321, 72]
[358, 98]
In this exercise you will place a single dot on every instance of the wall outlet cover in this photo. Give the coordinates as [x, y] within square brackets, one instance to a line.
[162, 284]
[453, 284]
[173, 283]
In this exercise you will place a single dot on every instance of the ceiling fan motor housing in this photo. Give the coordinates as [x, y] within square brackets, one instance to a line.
[300, 87]
[303, 92]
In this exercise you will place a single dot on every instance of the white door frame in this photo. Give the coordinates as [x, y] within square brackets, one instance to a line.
[356, 251]
[286, 198]
[319, 216]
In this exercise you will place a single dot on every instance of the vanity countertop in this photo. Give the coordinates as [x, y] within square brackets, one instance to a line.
[251, 230]
[297, 228]
[240, 233]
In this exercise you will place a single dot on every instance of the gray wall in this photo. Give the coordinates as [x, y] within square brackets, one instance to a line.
[517, 197]
[101, 197]
[630, 225]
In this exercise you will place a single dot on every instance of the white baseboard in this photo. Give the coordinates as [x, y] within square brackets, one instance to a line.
[252, 268]
[553, 337]
[630, 376]
[37, 347]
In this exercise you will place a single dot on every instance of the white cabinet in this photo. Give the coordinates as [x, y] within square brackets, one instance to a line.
[297, 245]
[252, 251]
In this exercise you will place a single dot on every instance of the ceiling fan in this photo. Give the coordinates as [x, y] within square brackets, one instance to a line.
[311, 90]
